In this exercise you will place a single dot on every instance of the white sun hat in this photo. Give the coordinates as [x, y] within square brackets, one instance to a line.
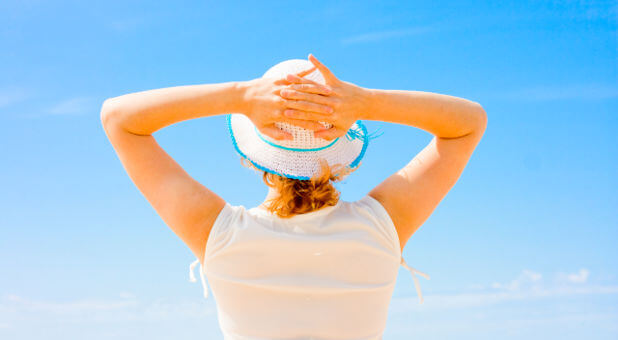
[298, 158]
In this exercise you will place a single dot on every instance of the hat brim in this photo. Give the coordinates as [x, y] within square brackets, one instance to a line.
[300, 164]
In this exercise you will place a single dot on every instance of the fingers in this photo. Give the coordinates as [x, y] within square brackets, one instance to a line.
[308, 84]
[306, 115]
[304, 105]
[329, 134]
[306, 72]
[276, 133]
[310, 88]
[328, 75]
[287, 79]
[310, 97]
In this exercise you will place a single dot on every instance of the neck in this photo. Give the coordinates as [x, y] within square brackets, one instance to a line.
[272, 193]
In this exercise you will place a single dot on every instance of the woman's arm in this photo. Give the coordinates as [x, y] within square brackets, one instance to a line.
[143, 113]
[442, 115]
[185, 205]
[411, 194]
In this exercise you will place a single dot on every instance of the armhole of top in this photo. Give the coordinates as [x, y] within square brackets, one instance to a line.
[383, 215]
[221, 222]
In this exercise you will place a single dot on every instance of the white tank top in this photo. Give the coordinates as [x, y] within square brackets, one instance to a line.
[325, 274]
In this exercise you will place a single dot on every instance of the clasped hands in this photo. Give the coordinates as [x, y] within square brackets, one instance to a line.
[305, 103]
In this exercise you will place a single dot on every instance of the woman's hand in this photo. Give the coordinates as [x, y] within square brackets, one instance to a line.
[265, 105]
[347, 99]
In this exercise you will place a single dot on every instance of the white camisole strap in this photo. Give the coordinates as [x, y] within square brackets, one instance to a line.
[202, 277]
[416, 283]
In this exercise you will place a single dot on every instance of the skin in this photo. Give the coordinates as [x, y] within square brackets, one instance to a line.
[189, 208]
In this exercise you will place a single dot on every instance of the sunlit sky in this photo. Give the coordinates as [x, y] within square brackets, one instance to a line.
[523, 247]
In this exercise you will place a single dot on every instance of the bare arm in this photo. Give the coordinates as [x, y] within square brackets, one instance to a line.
[442, 115]
[412, 193]
[185, 205]
[143, 113]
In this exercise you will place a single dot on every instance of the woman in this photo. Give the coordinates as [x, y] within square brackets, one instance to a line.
[303, 264]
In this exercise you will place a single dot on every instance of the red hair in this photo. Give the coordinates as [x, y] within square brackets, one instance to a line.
[303, 196]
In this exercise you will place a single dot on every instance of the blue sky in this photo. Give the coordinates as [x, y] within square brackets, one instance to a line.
[523, 247]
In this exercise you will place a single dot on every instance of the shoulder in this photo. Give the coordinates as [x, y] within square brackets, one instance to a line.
[223, 225]
[227, 215]
[372, 210]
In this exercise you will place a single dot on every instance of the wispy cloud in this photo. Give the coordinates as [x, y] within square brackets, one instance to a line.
[526, 277]
[74, 106]
[580, 277]
[527, 285]
[9, 96]
[126, 304]
[383, 35]
[532, 305]
[127, 24]
[18, 312]
[122, 317]
[71, 307]
[562, 92]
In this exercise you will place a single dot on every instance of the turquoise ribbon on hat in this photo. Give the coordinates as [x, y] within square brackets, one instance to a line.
[352, 134]
[360, 133]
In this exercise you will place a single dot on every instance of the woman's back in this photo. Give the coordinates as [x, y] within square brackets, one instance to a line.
[321, 275]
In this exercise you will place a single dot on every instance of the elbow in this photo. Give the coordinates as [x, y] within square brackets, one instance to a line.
[108, 112]
[480, 118]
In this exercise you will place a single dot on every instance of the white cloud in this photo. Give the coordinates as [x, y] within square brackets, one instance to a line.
[10, 96]
[526, 286]
[127, 295]
[122, 317]
[382, 35]
[127, 24]
[580, 277]
[78, 306]
[73, 106]
[126, 307]
[526, 277]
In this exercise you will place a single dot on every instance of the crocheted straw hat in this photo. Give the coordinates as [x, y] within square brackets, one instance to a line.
[298, 158]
